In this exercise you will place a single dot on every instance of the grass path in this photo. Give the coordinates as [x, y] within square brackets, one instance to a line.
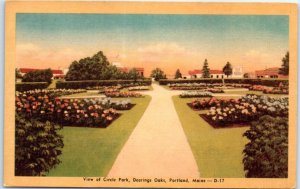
[92, 151]
[218, 152]
[158, 146]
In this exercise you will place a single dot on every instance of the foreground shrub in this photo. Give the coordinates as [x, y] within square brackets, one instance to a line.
[37, 146]
[26, 86]
[266, 155]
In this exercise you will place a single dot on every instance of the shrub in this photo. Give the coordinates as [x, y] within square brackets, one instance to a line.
[26, 86]
[266, 155]
[37, 146]
[97, 83]
[38, 76]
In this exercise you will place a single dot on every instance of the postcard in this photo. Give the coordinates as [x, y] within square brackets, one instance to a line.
[150, 94]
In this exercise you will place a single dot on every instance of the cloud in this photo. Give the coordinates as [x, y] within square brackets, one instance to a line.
[163, 52]
[33, 55]
[163, 48]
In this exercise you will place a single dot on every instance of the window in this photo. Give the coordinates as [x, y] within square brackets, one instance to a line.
[217, 76]
[211, 76]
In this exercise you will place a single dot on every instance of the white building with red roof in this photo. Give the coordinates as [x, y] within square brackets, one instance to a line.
[212, 73]
[269, 73]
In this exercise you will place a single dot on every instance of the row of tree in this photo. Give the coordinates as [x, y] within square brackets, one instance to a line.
[227, 69]
[97, 67]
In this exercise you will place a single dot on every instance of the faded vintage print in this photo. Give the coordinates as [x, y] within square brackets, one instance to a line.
[152, 98]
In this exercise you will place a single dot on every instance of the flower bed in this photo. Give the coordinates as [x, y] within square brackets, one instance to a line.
[193, 94]
[244, 110]
[44, 105]
[122, 94]
[214, 90]
[202, 104]
[259, 88]
[236, 85]
[138, 88]
[276, 90]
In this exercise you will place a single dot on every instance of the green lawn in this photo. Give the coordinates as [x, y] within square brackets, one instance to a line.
[92, 151]
[218, 152]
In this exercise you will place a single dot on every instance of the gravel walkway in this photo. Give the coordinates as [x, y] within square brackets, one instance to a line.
[158, 146]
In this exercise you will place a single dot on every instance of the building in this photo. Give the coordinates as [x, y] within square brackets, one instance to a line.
[127, 69]
[212, 73]
[57, 74]
[237, 72]
[269, 73]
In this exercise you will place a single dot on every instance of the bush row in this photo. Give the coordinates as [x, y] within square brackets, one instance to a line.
[266, 82]
[204, 80]
[96, 83]
[26, 86]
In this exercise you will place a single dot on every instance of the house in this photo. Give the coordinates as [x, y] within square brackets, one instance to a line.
[237, 72]
[127, 69]
[57, 74]
[269, 73]
[212, 73]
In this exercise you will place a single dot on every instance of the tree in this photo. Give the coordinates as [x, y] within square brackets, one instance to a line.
[205, 69]
[227, 69]
[158, 74]
[178, 74]
[38, 76]
[89, 68]
[246, 75]
[284, 70]
[134, 74]
[18, 74]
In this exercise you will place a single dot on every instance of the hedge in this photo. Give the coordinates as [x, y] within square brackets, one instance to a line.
[266, 82]
[26, 86]
[96, 83]
[204, 80]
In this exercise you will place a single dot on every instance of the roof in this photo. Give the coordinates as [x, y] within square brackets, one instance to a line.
[26, 70]
[269, 71]
[216, 72]
[194, 72]
[126, 69]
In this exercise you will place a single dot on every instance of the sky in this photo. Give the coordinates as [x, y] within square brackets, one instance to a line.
[169, 42]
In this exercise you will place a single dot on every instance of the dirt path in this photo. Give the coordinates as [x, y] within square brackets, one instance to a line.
[158, 146]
